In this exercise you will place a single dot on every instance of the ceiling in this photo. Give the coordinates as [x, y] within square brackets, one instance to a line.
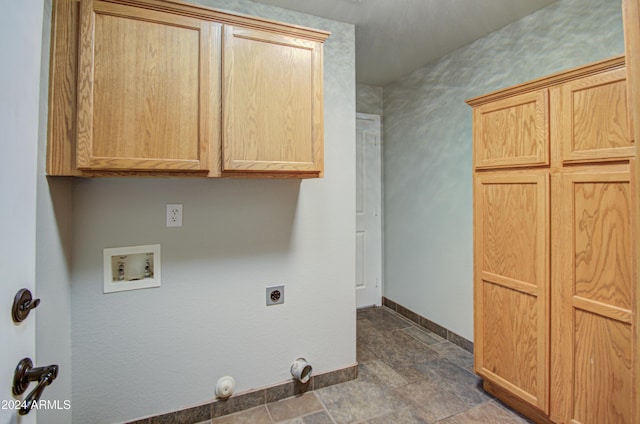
[396, 37]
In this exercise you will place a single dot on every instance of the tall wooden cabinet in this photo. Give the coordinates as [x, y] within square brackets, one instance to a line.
[512, 245]
[161, 87]
[554, 241]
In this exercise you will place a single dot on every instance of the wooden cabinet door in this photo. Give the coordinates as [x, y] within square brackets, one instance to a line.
[511, 237]
[595, 348]
[595, 119]
[512, 132]
[148, 89]
[273, 108]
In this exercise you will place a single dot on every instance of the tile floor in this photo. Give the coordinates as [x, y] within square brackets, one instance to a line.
[407, 375]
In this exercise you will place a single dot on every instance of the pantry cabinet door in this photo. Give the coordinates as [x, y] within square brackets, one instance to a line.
[148, 90]
[596, 289]
[511, 283]
[273, 106]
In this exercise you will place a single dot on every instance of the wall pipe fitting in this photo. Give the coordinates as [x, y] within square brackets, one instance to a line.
[224, 387]
[301, 370]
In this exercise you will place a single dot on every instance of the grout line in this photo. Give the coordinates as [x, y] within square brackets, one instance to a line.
[429, 345]
[466, 410]
[269, 413]
[324, 407]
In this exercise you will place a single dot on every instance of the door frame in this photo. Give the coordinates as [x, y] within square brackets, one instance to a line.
[20, 79]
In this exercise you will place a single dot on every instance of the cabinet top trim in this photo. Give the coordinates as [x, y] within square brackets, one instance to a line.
[549, 81]
[226, 17]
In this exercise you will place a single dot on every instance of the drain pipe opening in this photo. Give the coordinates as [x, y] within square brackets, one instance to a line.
[301, 370]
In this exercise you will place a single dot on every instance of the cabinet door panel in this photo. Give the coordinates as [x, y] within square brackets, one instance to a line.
[511, 283]
[596, 293]
[510, 324]
[595, 120]
[603, 370]
[512, 132]
[146, 89]
[272, 103]
[602, 240]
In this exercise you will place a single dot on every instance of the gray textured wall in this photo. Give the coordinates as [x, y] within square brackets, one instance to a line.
[369, 99]
[147, 352]
[427, 153]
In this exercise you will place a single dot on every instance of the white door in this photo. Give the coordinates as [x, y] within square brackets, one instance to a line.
[368, 211]
[20, 49]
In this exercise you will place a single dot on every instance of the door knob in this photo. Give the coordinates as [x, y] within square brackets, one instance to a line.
[23, 303]
[25, 373]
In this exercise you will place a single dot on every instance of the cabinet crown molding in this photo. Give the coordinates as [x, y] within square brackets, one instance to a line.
[616, 62]
[227, 18]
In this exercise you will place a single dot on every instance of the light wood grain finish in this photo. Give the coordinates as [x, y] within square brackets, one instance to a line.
[63, 74]
[559, 390]
[548, 81]
[511, 223]
[591, 305]
[143, 93]
[223, 17]
[596, 120]
[272, 93]
[146, 96]
[512, 132]
[596, 295]
[602, 238]
[602, 375]
[511, 340]
[511, 283]
[631, 23]
[516, 402]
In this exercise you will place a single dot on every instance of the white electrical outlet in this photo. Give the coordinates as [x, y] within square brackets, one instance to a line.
[174, 215]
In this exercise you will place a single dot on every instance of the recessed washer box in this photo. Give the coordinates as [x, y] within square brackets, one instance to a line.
[131, 268]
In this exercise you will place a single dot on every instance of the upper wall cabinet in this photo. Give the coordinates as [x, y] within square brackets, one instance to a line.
[272, 113]
[142, 87]
[147, 86]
